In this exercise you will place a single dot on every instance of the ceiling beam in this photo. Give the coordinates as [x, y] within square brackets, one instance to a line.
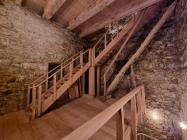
[88, 13]
[52, 7]
[125, 9]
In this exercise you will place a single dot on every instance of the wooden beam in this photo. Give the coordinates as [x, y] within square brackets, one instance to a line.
[143, 46]
[52, 7]
[88, 13]
[125, 9]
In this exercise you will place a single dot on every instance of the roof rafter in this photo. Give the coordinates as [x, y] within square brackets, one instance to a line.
[52, 7]
[89, 13]
[124, 11]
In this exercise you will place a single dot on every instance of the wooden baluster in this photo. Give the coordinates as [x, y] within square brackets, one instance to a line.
[105, 40]
[61, 72]
[91, 75]
[83, 83]
[28, 95]
[93, 56]
[143, 101]
[54, 87]
[120, 124]
[33, 102]
[71, 70]
[39, 100]
[98, 81]
[90, 57]
[81, 61]
[139, 103]
[133, 118]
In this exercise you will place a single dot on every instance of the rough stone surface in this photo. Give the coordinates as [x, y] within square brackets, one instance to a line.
[27, 44]
[162, 68]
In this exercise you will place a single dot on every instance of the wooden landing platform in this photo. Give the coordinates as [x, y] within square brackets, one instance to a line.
[56, 124]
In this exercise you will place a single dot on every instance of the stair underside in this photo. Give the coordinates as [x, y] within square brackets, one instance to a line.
[56, 124]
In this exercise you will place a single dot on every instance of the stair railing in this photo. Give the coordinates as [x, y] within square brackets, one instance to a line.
[137, 19]
[103, 42]
[38, 90]
[137, 100]
[142, 136]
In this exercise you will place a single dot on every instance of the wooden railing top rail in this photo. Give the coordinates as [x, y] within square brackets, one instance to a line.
[61, 65]
[150, 137]
[53, 69]
[88, 129]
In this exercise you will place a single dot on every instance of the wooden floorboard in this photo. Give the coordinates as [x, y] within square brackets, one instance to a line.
[57, 123]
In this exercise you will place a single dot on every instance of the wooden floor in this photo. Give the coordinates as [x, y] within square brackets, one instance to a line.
[56, 124]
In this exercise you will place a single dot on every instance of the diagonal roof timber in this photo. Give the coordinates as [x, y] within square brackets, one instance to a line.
[52, 7]
[88, 13]
[102, 19]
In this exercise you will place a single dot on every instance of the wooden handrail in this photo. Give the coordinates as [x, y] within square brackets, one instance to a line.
[54, 69]
[88, 129]
[36, 85]
[145, 136]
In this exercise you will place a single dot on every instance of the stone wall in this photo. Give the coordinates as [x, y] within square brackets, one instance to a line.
[162, 68]
[27, 44]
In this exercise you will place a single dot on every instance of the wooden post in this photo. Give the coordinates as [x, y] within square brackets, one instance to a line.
[33, 102]
[54, 87]
[61, 72]
[143, 100]
[120, 124]
[81, 61]
[71, 70]
[39, 100]
[91, 74]
[98, 81]
[92, 81]
[28, 95]
[83, 83]
[105, 40]
[133, 118]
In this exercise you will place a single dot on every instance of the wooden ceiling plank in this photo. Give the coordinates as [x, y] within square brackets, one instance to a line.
[52, 7]
[116, 16]
[88, 13]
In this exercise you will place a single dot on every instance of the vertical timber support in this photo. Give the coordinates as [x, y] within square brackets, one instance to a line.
[133, 118]
[98, 80]
[120, 124]
[91, 73]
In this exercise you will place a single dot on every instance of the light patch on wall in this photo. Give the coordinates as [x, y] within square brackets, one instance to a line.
[155, 115]
[183, 125]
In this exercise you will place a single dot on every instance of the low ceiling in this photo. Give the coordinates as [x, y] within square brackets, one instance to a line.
[86, 17]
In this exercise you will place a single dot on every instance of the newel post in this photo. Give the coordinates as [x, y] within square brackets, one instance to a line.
[91, 73]
[54, 87]
[120, 124]
[39, 100]
[33, 102]
[133, 118]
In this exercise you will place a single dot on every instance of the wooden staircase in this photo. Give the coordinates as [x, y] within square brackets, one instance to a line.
[44, 91]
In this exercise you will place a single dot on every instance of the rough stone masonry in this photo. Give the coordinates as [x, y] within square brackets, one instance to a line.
[27, 44]
[162, 68]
